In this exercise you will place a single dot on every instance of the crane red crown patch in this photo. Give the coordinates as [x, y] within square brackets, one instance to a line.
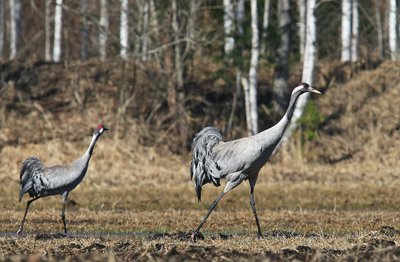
[100, 127]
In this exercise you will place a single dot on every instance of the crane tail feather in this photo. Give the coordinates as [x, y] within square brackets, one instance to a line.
[202, 146]
[30, 167]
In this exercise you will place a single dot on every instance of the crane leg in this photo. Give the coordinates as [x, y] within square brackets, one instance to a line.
[26, 212]
[65, 196]
[253, 206]
[214, 204]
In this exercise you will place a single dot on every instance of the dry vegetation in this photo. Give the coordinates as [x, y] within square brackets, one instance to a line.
[334, 197]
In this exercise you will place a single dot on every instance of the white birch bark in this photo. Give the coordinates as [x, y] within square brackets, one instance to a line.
[123, 32]
[265, 26]
[57, 31]
[154, 20]
[301, 4]
[85, 31]
[346, 30]
[145, 31]
[240, 11]
[191, 26]
[1, 29]
[103, 32]
[354, 30]
[253, 67]
[308, 68]
[47, 32]
[379, 27]
[392, 30]
[177, 47]
[280, 84]
[228, 26]
[15, 26]
[245, 85]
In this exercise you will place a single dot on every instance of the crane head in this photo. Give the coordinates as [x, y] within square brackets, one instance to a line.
[100, 129]
[304, 87]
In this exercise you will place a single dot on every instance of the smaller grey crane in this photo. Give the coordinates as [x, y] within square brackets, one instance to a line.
[236, 160]
[39, 181]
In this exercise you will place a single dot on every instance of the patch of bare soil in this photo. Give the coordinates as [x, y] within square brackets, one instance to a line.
[176, 247]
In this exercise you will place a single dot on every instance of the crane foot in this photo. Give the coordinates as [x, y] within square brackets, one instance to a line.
[197, 235]
[19, 231]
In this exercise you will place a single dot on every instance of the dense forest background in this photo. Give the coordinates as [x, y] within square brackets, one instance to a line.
[173, 67]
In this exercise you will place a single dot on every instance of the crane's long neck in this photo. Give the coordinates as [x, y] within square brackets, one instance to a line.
[274, 134]
[89, 151]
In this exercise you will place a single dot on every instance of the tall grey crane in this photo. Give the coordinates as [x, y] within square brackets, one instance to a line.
[40, 181]
[236, 160]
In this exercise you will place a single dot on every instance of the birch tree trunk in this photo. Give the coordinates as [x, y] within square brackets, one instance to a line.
[240, 12]
[145, 30]
[47, 32]
[265, 26]
[15, 26]
[192, 19]
[247, 106]
[301, 4]
[253, 67]
[379, 26]
[1, 30]
[180, 110]
[228, 26]
[103, 32]
[308, 67]
[280, 85]
[392, 32]
[58, 21]
[85, 31]
[123, 30]
[354, 30]
[346, 30]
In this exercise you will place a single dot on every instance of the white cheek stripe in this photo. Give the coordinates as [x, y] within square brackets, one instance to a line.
[296, 89]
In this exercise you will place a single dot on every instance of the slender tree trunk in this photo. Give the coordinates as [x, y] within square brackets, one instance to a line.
[191, 24]
[265, 26]
[240, 13]
[85, 31]
[154, 21]
[1, 30]
[346, 30]
[123, 30]
[308, 68]
[301, 4]
[246, 91]
[138, 31]
[15, 26]
[253, 67]
[379, 27]
[58, 24]
[181, 115]
[280, 85]
[228, 26]
[392, 32]
[145, 31]
[47, 30]
[103, 32]
[354, 30]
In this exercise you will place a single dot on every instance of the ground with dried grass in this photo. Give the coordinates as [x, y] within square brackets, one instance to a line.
[334, 197]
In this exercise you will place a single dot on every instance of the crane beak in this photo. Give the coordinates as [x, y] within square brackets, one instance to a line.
[313, 90]
[105, 128]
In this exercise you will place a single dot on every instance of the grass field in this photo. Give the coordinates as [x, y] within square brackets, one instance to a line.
[147, 209]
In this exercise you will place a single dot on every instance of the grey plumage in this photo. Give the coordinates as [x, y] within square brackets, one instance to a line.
[40, 181]
[236, 160]
[201, 168]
